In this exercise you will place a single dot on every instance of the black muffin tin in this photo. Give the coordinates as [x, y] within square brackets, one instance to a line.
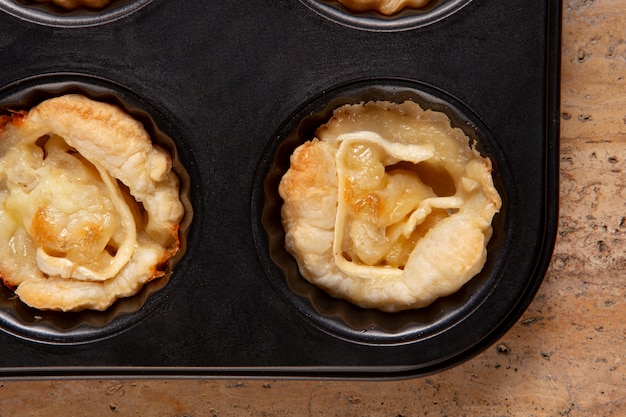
[231, 88]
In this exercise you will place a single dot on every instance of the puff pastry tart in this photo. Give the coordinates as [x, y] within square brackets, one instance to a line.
[89, 207]
[389, 207]
[75, 4]
[386, 7]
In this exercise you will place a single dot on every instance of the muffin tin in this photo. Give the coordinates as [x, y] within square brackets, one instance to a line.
[231, 89]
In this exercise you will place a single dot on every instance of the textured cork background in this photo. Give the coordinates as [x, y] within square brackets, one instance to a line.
[565, 356]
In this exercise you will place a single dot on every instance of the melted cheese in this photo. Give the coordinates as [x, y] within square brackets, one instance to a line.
[372, 202]
[75, 213]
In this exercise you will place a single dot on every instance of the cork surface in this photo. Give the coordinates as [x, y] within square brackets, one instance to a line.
[564, 357]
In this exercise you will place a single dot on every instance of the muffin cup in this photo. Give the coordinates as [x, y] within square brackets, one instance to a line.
[406, 19]
[80, 327]
[52, 15]
[341, 318]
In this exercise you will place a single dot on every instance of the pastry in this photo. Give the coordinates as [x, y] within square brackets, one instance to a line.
[75, 4]
[89, 206]
[386, 7]
[389, 206]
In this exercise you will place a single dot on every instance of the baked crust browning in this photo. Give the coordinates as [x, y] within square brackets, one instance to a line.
[389, 207]
[89, 207]
[385, 7]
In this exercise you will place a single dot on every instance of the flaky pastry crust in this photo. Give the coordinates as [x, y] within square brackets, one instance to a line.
[389, 207]
[385, 7]
[89, 207]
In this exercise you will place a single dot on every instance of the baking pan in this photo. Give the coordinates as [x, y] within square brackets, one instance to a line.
[231, 89]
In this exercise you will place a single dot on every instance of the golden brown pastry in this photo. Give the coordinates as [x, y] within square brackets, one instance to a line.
[89, 207]
[389, 207]
[386, 7]
[75, 4]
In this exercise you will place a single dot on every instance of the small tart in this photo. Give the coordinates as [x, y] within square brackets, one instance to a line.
[386, 7]
[89, 207]
[389, 207]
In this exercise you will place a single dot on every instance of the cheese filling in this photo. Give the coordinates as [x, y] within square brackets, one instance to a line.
[385, 208]
[78, 218]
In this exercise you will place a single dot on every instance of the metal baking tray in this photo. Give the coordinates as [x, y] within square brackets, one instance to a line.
[233, 87]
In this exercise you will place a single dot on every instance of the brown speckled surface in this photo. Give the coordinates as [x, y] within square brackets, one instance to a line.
[565, 356]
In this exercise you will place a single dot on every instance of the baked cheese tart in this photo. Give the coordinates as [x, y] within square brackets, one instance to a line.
[89, 206]
[389, 206]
